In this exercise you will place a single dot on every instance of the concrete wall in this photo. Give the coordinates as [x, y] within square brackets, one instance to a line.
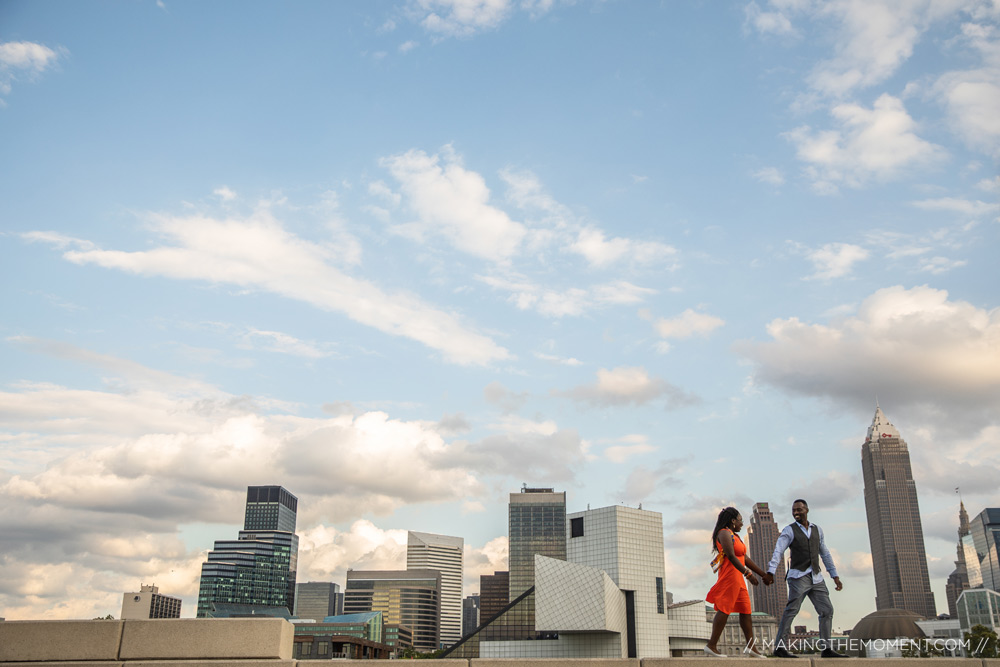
[267, 642]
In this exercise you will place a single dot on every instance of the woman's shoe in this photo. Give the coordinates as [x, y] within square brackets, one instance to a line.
[712, 654]
[753, 654]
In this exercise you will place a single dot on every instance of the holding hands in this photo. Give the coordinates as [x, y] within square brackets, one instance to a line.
[767, 578]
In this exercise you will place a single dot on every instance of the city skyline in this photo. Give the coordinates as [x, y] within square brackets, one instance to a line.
[405, 256]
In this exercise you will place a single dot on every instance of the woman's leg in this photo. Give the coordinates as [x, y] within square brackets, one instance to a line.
[718, 625]
[746, 623]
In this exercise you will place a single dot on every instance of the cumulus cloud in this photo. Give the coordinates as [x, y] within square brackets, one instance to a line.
[224, 193]
[507, 400]
[276, 341]
[23, 61]
[538, 450]
[635, 445]
[769, 175]
[628, 386]
[464, 18]
[453, 202]
[877, 143]
[967, 207]
[767, 22]
[258, 252]
[915, 345]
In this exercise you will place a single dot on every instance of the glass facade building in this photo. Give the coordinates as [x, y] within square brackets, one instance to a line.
[895, 531]
[979, 606]
[982, 550]
[493, 591]
[405, 597]
[537, 525]
[317, 599]
[259, 567]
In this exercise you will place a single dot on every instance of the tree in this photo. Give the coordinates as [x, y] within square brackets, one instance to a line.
[983, 642]
[109, 617]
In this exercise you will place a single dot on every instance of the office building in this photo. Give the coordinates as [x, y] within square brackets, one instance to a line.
[318, 599]
[536, 527]
[982, 550]
[762, 535]
[258, 568]
[627, 544]
[979, 606]
[606, 599]
[894, 528]
[426, 551]
[405, 597]
[494, 594]
[958, 580]
[470, 614]
[148, 603]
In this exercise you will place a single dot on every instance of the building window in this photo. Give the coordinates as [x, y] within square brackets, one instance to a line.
[576, 527]
[659, 595]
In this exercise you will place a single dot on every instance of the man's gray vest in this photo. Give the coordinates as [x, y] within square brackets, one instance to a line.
[804, 550]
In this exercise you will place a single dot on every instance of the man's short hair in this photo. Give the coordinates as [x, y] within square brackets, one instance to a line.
[801, 501]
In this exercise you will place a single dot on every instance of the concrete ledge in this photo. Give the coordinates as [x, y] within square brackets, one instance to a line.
[555, 662]
[207, 639]
[222, 663]
[36, 641]
[917, 662]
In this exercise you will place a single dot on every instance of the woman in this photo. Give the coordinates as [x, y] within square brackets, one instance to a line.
[730, 592]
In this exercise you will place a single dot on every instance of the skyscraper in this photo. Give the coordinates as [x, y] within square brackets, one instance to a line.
[537, 525]
[405, 597]
[494, 592]
[982, 550]
[258, 568]
[894, 529]
[426, 551]
[318, 599]
[958, 580]
[762, 535]
[470, 614]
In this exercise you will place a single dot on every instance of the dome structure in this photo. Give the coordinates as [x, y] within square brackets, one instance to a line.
[888, 624]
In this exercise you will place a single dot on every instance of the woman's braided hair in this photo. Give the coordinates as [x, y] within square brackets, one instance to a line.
[726, 517]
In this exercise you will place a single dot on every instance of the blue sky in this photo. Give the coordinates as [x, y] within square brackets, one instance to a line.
[402, 257]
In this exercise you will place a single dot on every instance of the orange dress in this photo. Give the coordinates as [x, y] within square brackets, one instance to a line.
[729, 594]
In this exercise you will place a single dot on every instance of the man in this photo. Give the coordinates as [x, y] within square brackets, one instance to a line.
[807, 546]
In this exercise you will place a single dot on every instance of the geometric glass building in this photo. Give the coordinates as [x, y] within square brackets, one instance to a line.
[762, 535]
[982, 550]
[958, 580]
[979, 606]
[318, 599]
[410, 598]
[536, 526]
[899, 558]
[258, 568]
[426, 551]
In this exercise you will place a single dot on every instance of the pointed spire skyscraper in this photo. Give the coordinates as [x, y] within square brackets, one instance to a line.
[894, 528]
[958, 580]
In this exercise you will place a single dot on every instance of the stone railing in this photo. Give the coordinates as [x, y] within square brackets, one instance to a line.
[267, 642]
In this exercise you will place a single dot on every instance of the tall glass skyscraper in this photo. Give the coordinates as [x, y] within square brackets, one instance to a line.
[258, 568]
[982, 550]
[762, 535]
[894, 528]
[405, 597]
[537, 525]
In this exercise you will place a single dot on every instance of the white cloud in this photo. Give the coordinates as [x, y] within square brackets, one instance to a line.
[408, 46]
[570, 361]
[23, 60]
[258, 252]
[224, 193]
[276, 341]
[625, 386]
[602, 252]
[765, 22]
[687, 324]
[877, 143]
[971, 97]
[573, 301]
[464, 18]
[621, 453]
[971, 208]
[989, 184]
[835, 260]
[928, 353]
[453, 202]
[769, 175]
[939, 265]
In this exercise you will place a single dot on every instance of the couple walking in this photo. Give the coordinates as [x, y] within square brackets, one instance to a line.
[807, 545]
